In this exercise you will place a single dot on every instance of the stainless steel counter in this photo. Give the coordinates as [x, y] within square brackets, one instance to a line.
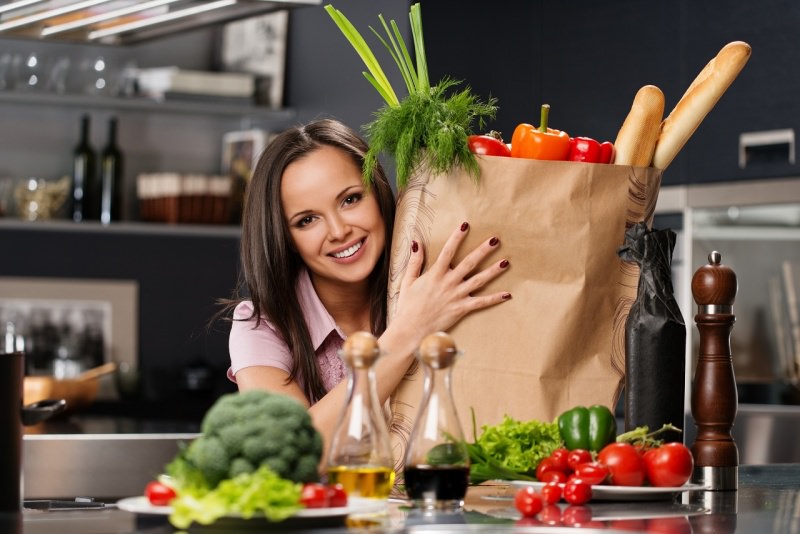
[102, 458]
[768, 500]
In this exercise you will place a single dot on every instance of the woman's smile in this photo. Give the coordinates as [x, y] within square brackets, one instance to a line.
[349, 252]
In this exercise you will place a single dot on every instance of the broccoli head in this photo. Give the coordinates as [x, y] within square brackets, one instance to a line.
[243, 431]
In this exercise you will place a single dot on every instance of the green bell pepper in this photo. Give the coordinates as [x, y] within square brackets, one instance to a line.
[589, 428]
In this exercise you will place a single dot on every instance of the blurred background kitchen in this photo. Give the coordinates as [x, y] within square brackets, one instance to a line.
[132, 278]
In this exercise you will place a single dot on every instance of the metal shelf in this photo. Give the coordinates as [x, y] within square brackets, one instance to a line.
[122, 22]
[205, 107]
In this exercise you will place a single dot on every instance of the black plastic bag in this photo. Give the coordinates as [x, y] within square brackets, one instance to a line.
[655, 336]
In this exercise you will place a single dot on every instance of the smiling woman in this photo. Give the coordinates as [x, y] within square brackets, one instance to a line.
[316, 240]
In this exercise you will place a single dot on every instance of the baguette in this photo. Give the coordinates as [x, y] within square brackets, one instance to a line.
[698, 100]
[636, 139]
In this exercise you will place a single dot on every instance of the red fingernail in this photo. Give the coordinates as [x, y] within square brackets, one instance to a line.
[506, 296]
[504, 264]
[464, 227]
[494, 241]
[414, 246]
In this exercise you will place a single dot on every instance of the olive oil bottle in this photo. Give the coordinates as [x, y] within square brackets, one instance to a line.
[360, 457]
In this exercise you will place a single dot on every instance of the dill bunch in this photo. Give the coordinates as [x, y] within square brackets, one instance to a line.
[430, 126]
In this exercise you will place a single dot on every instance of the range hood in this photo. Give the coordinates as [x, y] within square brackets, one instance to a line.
[120, 22]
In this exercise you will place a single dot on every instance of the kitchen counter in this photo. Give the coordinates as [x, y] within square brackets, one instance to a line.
[768, 500]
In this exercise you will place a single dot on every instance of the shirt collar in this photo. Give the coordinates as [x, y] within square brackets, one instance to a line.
[319, 321]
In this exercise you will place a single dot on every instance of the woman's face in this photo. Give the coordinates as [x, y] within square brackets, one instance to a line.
[335, 224]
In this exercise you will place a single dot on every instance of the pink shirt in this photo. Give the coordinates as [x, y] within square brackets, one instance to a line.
[264, 345]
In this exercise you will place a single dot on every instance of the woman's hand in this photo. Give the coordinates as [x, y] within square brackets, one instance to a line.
[440, 297]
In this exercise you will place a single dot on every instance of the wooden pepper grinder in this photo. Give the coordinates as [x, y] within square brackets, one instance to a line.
[714, 397]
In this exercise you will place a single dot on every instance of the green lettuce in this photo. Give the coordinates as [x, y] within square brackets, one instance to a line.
[260, 493]
[512, 449]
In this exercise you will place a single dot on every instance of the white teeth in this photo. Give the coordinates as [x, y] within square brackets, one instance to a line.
[348, 252]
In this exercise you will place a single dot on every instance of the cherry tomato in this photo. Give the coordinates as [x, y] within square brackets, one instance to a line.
[528, 502]
[559, 457]
[158, 494]
[551, 493]
[488, 145]
[559, 477]
[314, 495]
[625, 466]
[577, 491]
[546, 465]
[593, 472]
[337, 496]
[669, 465]
[577, 457]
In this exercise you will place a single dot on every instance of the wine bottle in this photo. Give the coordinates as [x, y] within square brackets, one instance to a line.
[84, 176]
[111, 177]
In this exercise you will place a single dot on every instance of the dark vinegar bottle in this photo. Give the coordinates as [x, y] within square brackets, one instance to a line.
[111, 177]
[84, 176]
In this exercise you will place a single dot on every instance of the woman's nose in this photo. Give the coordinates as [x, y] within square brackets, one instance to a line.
[338, 228]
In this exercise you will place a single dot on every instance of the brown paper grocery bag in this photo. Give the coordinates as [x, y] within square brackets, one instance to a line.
[559, 342]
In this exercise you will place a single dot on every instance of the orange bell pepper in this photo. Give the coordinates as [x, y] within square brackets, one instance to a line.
[539, 143]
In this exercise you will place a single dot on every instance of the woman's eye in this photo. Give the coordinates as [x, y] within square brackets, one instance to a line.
[352, 199]
[305, 221]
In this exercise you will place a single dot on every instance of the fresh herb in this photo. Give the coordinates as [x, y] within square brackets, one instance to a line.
[428, 127]
[511, 450]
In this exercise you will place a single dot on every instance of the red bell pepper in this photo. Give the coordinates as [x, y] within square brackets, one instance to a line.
[590, 151]
[540, 143]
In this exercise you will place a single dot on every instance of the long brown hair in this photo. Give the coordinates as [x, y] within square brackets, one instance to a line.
[270, 266]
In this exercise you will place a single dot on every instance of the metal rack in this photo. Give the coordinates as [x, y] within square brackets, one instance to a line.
[122, 22]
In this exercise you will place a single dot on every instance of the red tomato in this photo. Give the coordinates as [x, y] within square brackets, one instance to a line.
[559, 457]
[558, 477]
[546, 465]
[337, 496]
[625, 466]
[528, 502]
[158, 494]
[551, 493]
[577, 491]
[577, 457]
[592, 472]
[488, 145]
[314, 495]
[669, 465]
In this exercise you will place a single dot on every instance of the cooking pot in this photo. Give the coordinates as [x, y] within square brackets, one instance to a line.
[77, 392]
[14, 414]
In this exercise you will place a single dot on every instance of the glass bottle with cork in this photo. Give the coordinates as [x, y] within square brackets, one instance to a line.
[437, 462]
[360, 456]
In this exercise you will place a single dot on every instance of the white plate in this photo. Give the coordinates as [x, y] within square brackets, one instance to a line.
[623, 493]
[355, 505]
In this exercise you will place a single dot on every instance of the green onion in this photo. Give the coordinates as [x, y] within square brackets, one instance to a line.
[429, 125]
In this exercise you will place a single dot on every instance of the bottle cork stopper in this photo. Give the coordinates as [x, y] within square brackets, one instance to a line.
[714, 284]
[438, 350]
[360, 350]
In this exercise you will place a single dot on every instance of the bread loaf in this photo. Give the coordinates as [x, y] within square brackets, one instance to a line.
[698, 100]
[636, 139]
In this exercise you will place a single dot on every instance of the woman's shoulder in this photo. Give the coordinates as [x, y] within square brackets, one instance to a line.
[243, 310]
